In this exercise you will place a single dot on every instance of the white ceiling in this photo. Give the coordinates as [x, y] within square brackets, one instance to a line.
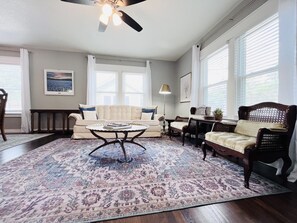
[170, 27]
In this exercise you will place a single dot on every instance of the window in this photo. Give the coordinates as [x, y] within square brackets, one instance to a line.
[106, 87]
[215, 72]
[133, 88]
[10, 81]
[120, 85]
[257, 63]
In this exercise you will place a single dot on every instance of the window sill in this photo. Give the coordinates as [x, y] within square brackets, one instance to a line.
[13, 115]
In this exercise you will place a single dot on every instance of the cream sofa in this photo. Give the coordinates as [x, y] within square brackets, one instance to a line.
[115, 113]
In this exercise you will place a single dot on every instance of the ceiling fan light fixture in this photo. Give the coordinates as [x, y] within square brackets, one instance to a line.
[111, 8]
[107, 9]
[116, 19]
[104, 19]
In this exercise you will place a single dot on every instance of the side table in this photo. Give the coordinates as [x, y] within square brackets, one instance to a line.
[169, 120]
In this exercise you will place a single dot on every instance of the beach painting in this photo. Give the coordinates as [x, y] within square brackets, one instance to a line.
[58, 82]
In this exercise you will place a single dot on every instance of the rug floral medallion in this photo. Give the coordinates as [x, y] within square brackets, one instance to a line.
[60, 182]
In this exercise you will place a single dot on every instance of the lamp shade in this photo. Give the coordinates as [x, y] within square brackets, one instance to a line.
[165, 89]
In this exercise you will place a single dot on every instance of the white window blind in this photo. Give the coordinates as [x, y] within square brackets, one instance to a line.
[10, 81]
[215, 72]
[257, 63]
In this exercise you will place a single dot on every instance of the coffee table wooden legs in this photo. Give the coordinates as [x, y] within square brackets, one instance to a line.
[121, 142]
[132, 140]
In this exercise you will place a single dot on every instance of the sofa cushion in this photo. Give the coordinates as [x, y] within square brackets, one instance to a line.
[118, 112]
[251, 128]
[146, 122]
[234, 141]
[84, 122]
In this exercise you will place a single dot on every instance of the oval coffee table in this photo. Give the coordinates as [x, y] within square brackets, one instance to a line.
[99, 128]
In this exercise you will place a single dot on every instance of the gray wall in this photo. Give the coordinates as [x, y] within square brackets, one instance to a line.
[40, 60]
[183, 66]
[162, 72]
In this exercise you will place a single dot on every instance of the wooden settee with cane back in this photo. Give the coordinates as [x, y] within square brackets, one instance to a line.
[263, 133]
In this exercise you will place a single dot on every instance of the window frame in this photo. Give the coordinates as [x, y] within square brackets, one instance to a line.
[124, 93]
[205, 76]
[120, 70]
[240, 61]
[12, 60]
[230, 37]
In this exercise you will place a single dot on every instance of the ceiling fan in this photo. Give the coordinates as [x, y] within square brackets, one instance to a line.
[110, 9]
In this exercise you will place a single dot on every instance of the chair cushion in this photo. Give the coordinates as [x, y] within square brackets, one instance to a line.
[231, 140]
[178, 125]
[251, 128]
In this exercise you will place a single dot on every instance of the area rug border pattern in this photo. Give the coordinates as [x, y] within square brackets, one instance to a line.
[182, 208]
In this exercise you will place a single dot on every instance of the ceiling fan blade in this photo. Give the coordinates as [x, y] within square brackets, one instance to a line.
[130, 22]
[102, 27]
[128, 2]
[82, 2]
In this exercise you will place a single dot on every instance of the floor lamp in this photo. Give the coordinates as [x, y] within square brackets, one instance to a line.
[165, 89]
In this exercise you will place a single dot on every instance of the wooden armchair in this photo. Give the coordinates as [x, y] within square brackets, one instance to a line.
[185, 125]
[263, 133]
[3, 100]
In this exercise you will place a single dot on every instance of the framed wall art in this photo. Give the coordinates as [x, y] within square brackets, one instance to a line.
[58, 82]
[185, 88]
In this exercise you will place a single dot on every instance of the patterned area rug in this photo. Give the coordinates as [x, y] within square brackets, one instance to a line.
[60, 182]
[17, 139]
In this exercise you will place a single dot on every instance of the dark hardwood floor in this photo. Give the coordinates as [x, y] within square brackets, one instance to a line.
[270, 209]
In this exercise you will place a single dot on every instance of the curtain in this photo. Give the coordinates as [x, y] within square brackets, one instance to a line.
[148, 85]
[25, 89]
[195, 88]
[287, 69]
[91, 81]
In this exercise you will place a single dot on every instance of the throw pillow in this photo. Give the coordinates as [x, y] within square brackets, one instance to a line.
[150, 110]
[90, 115]
[83, 108]
[146, 116]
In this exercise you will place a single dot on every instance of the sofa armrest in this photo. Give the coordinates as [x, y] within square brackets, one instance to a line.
[76, 116]
[272, 139]
[158, 117]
